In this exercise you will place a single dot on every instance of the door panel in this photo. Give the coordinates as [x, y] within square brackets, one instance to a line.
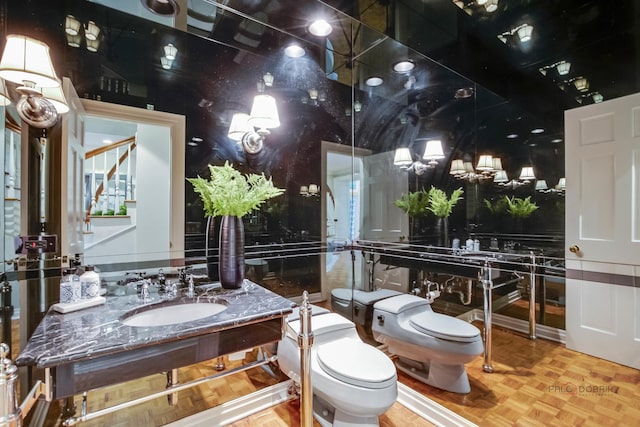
[603, 157]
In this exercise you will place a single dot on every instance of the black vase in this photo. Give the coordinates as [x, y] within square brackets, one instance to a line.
[231, 266]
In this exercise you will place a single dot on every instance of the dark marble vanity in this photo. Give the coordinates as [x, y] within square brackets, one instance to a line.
[93, 348]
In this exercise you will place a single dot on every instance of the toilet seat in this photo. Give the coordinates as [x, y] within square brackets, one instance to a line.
[356, 363]
[444, 327]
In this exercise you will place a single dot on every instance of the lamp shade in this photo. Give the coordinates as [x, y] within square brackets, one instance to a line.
[524, 32]
[527, 174]
[304, 189]
[485, 163]
[457, 167]
[239, 126]
[71, 25]
[4, 95]
[501, 176]
[264, 112]
[313, 189]
[56, 97]
[562, 184]
[582, 84]
[541, 185]
[491, 6]
[468, 167]
[563, 68]
[496, 163]
[170, 51]
[402, 157]
[26, 60]
[433, 150]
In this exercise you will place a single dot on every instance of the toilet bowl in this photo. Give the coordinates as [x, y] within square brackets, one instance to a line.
[431, 347]
[357, 305]
[353, 382]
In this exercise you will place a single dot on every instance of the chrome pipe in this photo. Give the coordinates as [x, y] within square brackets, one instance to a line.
[170, 390]
[532, 298]
[487, 288]
[172, 380]
[305, 341]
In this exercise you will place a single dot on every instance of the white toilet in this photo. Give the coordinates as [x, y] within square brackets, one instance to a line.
[353, 382]
[357, 304]
[431, 347]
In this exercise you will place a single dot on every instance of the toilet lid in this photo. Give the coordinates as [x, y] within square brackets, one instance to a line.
[342, 294]
[444, 327]
[368, 298]
[356, 363]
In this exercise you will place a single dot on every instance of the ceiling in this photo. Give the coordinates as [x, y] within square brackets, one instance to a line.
[453, 48]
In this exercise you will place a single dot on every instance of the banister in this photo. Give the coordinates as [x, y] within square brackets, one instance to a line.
[100, 150]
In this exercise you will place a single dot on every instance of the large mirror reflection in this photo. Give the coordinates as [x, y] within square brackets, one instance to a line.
[401, 176]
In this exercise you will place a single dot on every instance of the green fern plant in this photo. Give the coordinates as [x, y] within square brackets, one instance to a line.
[440, 204]
[498, 207]
[520, 208]
[229, 193]
[414, 203]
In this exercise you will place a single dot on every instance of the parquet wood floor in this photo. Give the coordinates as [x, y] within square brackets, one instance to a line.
[535, 383]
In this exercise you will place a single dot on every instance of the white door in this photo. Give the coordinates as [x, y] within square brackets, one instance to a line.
[603, 229]
[382, 220]
[72, 161]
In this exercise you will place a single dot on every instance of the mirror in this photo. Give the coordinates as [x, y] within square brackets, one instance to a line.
[344, 112]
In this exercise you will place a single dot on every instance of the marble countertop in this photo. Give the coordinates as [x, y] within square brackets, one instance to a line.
[97, 331]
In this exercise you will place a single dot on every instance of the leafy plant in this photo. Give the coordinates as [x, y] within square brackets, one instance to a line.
[414, 203]
[498, 207]
[520, 208]
[97, 213]
[122, 210]
[440, 204]
[110, 212]
[229, 193]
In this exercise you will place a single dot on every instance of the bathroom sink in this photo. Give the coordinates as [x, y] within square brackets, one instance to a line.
[173, 314]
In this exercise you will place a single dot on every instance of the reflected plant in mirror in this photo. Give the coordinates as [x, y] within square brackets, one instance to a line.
[441, 205]
[520, 208]
[414, 203]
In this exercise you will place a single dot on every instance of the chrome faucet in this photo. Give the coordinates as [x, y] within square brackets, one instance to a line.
[191, 291]
[145, 295]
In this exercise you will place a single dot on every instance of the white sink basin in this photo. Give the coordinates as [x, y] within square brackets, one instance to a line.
[173, 314]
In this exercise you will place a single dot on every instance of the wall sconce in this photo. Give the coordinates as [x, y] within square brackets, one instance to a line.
[562, 184]
[311, 190]
[523, 31]
[93, 45]
[501, 177]
[432, 153]
[562, 68]
[91, 31]
[263, 116]
[488, 167]
[72, 29]
[597, 97]
[26, 61]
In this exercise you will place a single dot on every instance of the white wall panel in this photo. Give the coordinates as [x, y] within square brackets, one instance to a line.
[597, 129]
[597, 199]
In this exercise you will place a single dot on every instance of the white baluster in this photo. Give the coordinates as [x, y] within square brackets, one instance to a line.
[116, 201]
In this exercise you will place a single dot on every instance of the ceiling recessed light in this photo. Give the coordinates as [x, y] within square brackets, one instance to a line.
[192, 143]
[464, 92]
[196, 139]
[162, 7]
[294, 50]
[107, 141]
[512, 135]
[556, 140]
[374, 81]
[320, 28]
[537, 130]
[404, 66]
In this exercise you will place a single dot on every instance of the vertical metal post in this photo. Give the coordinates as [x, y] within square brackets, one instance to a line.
[7, 311]
[487, 288]
[532, 297]
[305, 341]
[172, 380]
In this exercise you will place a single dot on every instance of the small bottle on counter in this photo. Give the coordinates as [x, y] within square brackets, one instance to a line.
[70, 288]
[476, 245]
[469, 244]
[89, 283]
